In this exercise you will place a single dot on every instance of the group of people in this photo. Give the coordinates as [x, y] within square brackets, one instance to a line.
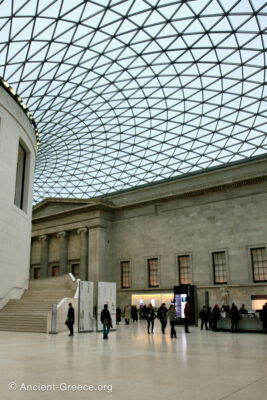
[164, 314]
[209, 317]
[129, 312]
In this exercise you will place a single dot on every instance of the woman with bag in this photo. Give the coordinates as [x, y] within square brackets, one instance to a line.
[172, 318]
[150, 318]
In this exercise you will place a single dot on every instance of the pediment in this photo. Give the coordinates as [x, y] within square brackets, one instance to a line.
[54, 206]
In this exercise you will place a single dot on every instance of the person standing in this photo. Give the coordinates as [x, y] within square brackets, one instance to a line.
[172, 318]
[118, 315]
[127, 314]
[234, 317]
[263, 316]
[134, 314]
[204, 318]
[187, 316]
[243, 310]
[70, 319]
[105, 318]
[209, 314]
[150, 318]
[216, 314]
[162, 315]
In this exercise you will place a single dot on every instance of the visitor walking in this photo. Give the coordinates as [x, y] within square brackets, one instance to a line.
[150, 318]
[70, 319]
[172, 318]
[105, 318]
[187, 316]
[204, 318]
[134, 314]
[127, 314]
[162, 315]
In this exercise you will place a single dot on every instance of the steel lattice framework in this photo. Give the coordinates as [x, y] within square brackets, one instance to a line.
[126, 93]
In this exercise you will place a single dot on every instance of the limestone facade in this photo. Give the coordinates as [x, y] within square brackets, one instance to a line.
[17, 137]
[219, 211]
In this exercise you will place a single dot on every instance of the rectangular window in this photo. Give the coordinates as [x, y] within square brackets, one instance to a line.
[184, 268]
[259, 264]
[125, 274]
[153, 280]
[20, 177]
[55, 270]
[219, 267]
[75, 269]
[37, 272]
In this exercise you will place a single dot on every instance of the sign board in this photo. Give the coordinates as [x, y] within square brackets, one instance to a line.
[86, 307]
[54, 319]
[186, 294]
[106, 294]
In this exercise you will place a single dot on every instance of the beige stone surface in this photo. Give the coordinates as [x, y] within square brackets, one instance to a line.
[201, 365]
[15, 223]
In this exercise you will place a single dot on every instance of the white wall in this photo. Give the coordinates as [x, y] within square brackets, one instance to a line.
[15, 224]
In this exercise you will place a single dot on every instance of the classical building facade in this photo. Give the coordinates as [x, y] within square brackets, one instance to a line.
[207, 229]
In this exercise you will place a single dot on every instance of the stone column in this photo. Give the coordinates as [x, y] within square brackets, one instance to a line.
[97, 253]
[63, 253]
[83, 253]
[97, 256]
[44, 256]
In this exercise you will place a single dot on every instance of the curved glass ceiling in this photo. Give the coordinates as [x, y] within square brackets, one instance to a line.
[126, 93]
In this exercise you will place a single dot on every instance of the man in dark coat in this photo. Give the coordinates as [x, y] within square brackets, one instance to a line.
[163, 315]
[234, 317]
[134, 314]
[243, 310]
[105, 318]
[216, 315]
[187, 316]
[204, 318]
[70, 319]
[150, 318]
[263, 316]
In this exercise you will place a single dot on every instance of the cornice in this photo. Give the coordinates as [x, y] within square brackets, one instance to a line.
[194, 192]
[74, 211]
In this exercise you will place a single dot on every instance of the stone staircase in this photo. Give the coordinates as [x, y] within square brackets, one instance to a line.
[32, 313]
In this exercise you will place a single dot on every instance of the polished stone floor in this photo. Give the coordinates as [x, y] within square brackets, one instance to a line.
[134, 365]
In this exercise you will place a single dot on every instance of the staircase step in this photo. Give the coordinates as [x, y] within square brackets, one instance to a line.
[23, 329]
[30, 313]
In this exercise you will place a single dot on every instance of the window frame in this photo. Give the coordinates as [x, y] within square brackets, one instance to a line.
[22, 205]
[72, 269]
[148, 272]
[251, 248]
[20, 177]
[35, 269]
[53, 268]
[129, 272]
[185, 254]
[212, 270]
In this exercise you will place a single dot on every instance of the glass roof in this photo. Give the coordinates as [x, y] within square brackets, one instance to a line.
[129, 92]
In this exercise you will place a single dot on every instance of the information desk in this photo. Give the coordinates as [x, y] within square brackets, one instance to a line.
[244, 324]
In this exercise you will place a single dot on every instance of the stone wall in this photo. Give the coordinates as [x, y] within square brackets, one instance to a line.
[221, 210]
[15, 221]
